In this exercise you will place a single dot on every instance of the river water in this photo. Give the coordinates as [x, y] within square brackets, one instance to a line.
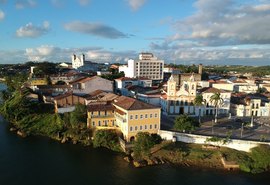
[41, 161]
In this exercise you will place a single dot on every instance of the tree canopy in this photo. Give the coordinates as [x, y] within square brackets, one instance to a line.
[185, 123]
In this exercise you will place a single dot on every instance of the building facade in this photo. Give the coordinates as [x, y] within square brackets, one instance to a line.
[77, 61]
[147, 66]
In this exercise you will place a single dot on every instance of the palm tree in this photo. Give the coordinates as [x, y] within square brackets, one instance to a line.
[216, 100]
[199, 101]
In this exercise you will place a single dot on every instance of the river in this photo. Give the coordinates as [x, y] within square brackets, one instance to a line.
[41, 161]
[38, 161]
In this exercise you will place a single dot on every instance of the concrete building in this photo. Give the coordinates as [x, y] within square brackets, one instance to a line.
[147, 66]
[85, 85]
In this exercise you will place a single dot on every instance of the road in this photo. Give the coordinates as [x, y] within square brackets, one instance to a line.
[260, 131]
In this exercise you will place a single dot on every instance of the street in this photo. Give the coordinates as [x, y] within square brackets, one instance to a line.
[236, 128]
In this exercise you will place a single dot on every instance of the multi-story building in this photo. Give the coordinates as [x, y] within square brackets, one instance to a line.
[179, 99]
[101, 115]
[209, 108]
[128, 115]
[243, 104]
[147, 66]
[133, 116]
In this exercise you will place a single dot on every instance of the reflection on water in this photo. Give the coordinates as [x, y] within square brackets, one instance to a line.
[35, 160]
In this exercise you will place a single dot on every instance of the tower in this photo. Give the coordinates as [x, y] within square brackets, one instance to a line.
[200, 69]
[171, 86]
[192, 86]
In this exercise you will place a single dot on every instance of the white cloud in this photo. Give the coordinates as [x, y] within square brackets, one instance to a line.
[136, 4]
[21, 4]
[56, 54]
[31, 31]
[84, 2]
[2, 15]
[217, 23]
[96, 29]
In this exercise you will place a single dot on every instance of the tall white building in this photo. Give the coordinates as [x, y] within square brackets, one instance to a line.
[147, 66]
[77, 61]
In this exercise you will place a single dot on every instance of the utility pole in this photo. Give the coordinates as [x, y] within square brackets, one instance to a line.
[242, 129]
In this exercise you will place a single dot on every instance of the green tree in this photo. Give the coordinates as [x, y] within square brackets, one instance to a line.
[199, 101]
[184, 123]
[78, 117]
[107, 139]
[216, 100]
[142, 144]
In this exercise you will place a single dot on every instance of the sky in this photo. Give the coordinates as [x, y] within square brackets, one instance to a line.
[176, 31]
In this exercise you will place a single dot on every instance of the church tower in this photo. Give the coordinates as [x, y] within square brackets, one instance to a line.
[171, 87]
[192, 86]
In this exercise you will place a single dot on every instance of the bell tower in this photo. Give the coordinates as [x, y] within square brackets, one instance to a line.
[171, 86]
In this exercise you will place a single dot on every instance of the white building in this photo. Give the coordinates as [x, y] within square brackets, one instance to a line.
[210, 109]
[147, 66]
[246, 88]
[250, 105]
[77, 61]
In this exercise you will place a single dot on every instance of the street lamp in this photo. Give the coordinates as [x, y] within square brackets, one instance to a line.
[251, 122]
[212, 126]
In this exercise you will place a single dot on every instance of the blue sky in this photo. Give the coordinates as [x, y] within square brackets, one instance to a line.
[177, 31]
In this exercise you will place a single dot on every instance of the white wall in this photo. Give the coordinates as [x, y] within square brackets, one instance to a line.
[240, 145]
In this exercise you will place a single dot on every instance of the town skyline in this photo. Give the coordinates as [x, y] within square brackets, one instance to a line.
[181, 32]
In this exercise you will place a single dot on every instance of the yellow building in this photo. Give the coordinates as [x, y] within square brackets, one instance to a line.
[38, 81]
[100, 115]
[133, 116]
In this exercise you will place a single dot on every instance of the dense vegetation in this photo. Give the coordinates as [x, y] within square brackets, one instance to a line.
[39, 119]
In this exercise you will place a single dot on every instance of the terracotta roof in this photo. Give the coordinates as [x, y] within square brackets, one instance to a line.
[128, 103]
[100, 107]
[126, 79]
[63, 96]
[212, 90]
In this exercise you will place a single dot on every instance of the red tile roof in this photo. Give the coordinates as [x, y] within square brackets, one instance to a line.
[212, 90]
[128, 103]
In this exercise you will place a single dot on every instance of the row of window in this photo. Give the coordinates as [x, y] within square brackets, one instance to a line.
[142, 116]
[142, 127]
[103, 123]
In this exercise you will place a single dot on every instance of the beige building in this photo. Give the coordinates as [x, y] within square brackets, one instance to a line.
[133, 116]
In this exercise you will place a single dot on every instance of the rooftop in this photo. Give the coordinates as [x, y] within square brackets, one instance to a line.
[128, 103]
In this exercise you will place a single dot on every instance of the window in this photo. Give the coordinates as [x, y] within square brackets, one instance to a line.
[93, 123]
[140, 127]
[141, 116]
[136, 116]
[145, 127]
[131, 117]
[130, 129]
[136, 128]
[150, 127]
[150, 115]
[145, 115]
[155, 115]
[99, 123]
[155, 126]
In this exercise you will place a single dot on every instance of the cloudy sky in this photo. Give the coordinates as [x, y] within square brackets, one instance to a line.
[177, 31]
